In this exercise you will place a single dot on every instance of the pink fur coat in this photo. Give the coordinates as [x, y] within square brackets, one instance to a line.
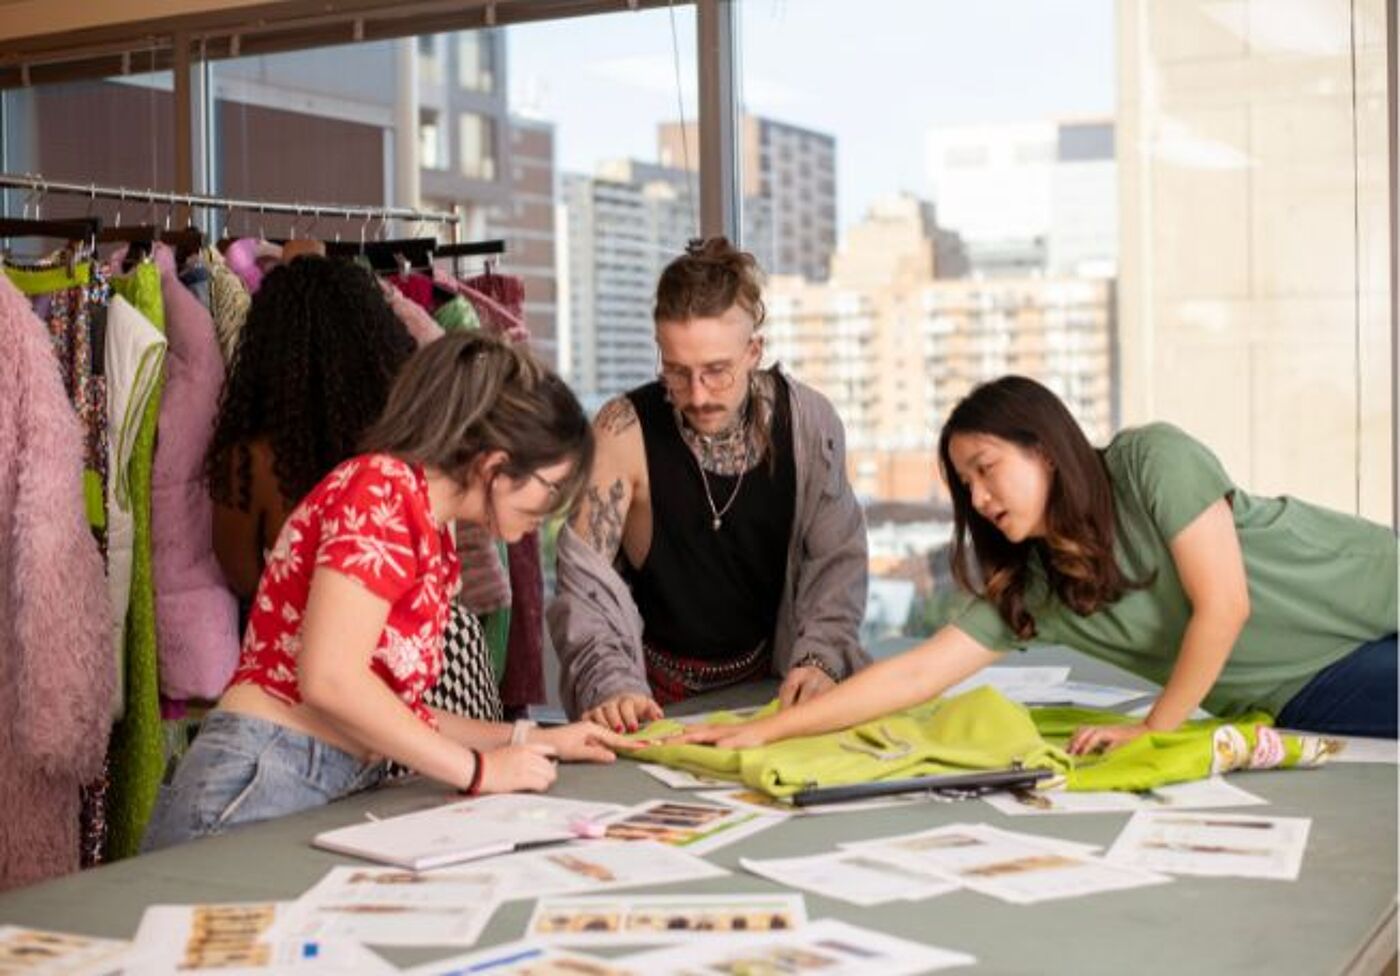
[57, 669]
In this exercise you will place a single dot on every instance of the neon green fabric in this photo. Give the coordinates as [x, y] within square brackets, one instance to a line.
[456, 314]
[1320, 583]
[137, 750]
[46, 281]
[983, 730]
[94, 501]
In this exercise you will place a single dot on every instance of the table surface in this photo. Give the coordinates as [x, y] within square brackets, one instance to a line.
[1338, 917]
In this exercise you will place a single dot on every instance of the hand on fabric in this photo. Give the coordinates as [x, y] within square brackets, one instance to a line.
[624, 713]
[583, 741]
[739, 735]
[513, 768]
[803, 683]
[1103, 738]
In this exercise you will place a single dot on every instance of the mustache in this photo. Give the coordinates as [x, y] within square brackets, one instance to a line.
[703, 411]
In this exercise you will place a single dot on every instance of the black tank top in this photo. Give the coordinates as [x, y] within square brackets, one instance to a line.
[707, 594]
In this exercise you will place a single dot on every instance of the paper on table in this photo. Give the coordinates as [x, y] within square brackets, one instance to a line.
[1198, 794]
[596, 867]
[1359, 749]
[46, 953]
[612, 920]
[1013, 678]
[697, 828]
[679, 779]
[524, 959]
[464, 831]
[742, 798]
[1214, 844]
[851, 876]
[233, 940]
[1006, 866]
[828, 946]
[1081, 694]
[912, 841]
[393, 906]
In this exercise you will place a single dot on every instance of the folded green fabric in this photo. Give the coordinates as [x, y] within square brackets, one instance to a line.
[983, 730]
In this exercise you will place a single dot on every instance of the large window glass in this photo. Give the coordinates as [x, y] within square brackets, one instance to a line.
[1182, 221]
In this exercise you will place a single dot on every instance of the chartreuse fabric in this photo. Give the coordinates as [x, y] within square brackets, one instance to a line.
[137, 750]
[1321, 583]
[982, 729]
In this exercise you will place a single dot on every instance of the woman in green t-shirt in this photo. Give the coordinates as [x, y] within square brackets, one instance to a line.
[1145, 555]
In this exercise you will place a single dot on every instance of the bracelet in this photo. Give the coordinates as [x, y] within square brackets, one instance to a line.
[520, 730]
[474, 786]
[812, 661]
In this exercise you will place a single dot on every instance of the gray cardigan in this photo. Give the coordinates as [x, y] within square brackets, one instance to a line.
[597, 629]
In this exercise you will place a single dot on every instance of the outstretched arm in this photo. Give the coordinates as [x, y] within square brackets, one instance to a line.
[915, 676]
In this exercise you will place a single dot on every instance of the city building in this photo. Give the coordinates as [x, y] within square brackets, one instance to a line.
[894, 345]
[788, 172]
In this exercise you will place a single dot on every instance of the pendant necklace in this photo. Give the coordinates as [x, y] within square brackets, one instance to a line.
[717, 515]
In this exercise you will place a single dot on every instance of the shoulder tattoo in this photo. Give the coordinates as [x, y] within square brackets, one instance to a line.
[617, 415]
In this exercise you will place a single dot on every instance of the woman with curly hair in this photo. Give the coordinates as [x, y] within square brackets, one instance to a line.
[345, 633]
[310, 374]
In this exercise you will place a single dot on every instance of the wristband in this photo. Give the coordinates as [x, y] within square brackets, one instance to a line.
[520, 730]
[812, 661]
[474, 787]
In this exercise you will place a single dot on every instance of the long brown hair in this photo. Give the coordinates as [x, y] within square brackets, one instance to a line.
[468, 394]
[1077, 549]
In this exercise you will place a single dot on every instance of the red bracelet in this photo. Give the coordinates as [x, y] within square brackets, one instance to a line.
[474, 787]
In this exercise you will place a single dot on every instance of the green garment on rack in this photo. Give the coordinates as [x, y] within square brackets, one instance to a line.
[981, 729]
[456, 315]
[137, 749]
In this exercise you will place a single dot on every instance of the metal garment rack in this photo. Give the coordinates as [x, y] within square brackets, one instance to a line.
[42, 186]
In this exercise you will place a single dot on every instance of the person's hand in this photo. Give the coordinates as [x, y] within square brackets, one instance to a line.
[1103, 738]
[585, 741]
[513, 768]
[740, 735]
[803, 683]
[624, 713]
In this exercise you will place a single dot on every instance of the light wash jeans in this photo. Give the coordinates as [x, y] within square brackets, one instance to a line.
[242, 769]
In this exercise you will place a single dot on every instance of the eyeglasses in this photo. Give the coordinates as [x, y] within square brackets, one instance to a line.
[716, 379]
[553, 486]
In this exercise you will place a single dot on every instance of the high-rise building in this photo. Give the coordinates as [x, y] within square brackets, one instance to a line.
[625, 223]
[894, 345]
[1029, 198]
[788, 173]
[1254, 292]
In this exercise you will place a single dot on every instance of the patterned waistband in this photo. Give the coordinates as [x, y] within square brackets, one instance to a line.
[674, 678]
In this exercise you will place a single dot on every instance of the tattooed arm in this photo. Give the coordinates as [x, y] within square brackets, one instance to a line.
[612, 511]
[613, 516]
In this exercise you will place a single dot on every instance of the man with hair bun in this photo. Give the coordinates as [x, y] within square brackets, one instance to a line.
[718, 539]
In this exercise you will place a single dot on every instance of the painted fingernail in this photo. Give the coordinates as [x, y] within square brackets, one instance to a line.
[617, 728]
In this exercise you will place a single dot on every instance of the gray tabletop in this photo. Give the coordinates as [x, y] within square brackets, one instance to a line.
[1338, 917]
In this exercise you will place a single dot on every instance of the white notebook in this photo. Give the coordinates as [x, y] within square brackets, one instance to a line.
[438, 837]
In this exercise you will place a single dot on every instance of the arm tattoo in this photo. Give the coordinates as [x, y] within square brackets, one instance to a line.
[604, 519]
[616, 416]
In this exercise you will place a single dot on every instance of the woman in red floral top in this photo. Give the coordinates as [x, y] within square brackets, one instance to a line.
[345, 632]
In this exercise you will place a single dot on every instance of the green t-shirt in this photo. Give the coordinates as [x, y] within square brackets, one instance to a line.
[1320, 582]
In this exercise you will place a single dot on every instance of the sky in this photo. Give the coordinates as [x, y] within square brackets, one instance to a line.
[876, 75]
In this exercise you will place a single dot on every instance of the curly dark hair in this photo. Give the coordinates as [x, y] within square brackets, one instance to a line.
[310, 374]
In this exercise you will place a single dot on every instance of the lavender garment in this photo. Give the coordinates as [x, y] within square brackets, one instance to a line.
[196, 614]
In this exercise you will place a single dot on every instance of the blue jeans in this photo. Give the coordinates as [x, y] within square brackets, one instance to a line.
[241, 769]
[1355, 696]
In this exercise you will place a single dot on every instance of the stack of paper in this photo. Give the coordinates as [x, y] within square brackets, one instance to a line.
[697, 828]
[42, 951]
[1198, 795]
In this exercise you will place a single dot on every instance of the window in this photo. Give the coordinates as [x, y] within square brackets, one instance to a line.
[476, 146]
[1218, 294]
[476, 68]
[432, 147]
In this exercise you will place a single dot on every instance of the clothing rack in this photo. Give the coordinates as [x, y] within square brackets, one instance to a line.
[42, 186]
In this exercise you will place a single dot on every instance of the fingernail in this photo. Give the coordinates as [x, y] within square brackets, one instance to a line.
[631, 728]
[617, 728]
